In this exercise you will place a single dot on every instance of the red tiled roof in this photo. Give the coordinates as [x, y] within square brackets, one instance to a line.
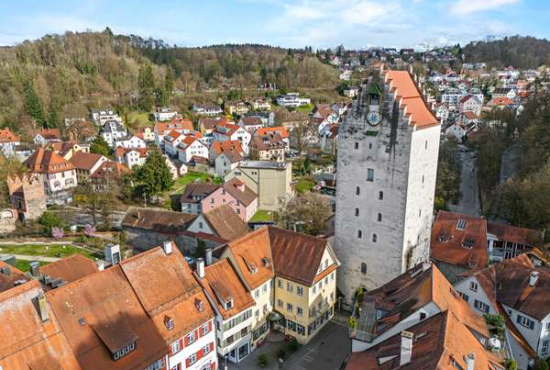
[226, 223]
[6, 136]
[10, 275]
[70, 268]
[85, 161]
[228, 145]
[278, 130]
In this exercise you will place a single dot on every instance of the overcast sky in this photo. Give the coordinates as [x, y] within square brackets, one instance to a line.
[287, 23]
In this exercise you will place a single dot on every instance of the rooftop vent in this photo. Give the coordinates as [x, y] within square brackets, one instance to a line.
[533, 278]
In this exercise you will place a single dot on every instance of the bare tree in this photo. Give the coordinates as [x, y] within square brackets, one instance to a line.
[306, 213]
[303, 135]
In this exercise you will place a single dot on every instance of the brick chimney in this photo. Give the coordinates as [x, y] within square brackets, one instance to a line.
[533, 278]
[42, 307]
[200, 268]
[167, 246]
[470, 361]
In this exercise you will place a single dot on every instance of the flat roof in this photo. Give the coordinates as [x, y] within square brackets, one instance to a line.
[264, 164]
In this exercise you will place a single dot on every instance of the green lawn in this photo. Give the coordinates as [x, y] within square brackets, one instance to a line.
[181, 182]
[53, 250]
[26, 265]
[263, 216]
[141, 117]
[304, 185]
[305, 108]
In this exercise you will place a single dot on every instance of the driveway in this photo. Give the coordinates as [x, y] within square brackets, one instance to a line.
[325, 352]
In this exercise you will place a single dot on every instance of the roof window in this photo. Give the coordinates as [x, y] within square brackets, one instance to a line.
[461, 224]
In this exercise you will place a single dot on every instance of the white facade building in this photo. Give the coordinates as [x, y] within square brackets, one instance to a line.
[292, 100]
[387, 166]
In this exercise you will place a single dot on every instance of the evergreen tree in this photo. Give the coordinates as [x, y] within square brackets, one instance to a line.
[161, 97]
[155, 176]
[169, 82]
[33, 105]
[146, 84]
[100, 146]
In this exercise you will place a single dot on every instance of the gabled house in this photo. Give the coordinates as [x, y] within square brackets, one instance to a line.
[226, 162]
[279, 130]
[8, 141]
[251, 123]
[470, 103]
[109, 174]
[146, 133]
[229, 132]
[181, 125]
[233, 305]
[221, 222]
[131, 157]
[47, 136]
[191, 147]
[517, 290]
[207, 125]
[113, 131]
[238, 108]
[131, 142]
[86, 164]
[219, 147]
[259, 104]
[164, 114]
[207, 109]
[58, 175]
[193, 195]
[267, 147]
[171, 142]
[235, 194]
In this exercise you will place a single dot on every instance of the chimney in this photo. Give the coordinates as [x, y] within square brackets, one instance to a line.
[208, 257]
[6, 271]
[470, 361]
[112, 254]
[426, 266]
[200, 267]
[42, 307]
[167, 246]
[533, 278]
[35, 268]
[100, 265]
[406, 347]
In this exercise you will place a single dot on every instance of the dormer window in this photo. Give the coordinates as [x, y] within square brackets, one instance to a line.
[199, 305]
[265, 261]
[253, 269]
[228, 305]
[169, 323]
[468, 242]
[461, 224]
[124, 351]
[443, 238]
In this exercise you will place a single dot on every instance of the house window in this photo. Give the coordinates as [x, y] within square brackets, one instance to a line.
[545, 346]
[200, 225]
[464, 296]
[364, 268]
[191, 338]
[176, 347]
[124, 351]
[370, 174]
[279, 303]
[548, 326]
[374, 238]
[299, 311]
[257, 293]
[370, 145]
[264, 288]
[300, 291]
[380, 195]
[356, 145]
[169, 323]
[422, 315]
[524, 321]
[289, 307]
[481, 306]
[426, 145]
[206, 349]
[238, 211]
[356, 212]
[357, 191]
[205, 329]
[379, 218]
[359, 234]
[314, 289]
[289, 287]
[192, 359]
[473, 286]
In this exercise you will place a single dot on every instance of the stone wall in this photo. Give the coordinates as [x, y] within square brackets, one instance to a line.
[8, 217]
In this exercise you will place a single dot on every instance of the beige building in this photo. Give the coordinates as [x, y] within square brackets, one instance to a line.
[270, 180]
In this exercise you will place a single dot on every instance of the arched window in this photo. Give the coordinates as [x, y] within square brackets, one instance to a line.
[356, 145]
[380, 195]
[364, 268]
[374, 238]
[379, 217]
[359, 234]
[357, 190]
[356, 212]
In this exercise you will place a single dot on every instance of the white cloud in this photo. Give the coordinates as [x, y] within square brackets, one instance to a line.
[465, 7]
[366, 12]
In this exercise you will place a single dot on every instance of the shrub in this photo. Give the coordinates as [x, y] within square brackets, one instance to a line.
[352, 322]
[263, 360]
[281, 353]
[510, 364]
[50, 220]
[495, 320]
[541, 364]
[293, 345]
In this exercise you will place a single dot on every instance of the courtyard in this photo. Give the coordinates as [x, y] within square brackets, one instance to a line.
[325, 352]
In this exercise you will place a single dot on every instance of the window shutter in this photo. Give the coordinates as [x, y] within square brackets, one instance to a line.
[187, 362]
[182, 343]
[211, 346]
[209, 326]
[186, 340]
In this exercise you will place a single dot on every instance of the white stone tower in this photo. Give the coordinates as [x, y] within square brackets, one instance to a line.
[387, 166]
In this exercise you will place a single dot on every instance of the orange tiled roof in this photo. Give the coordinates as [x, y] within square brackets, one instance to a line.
[253, 252]
[6, 136]
[464, 246]
[9, 275]
[70, 268]
[47, 161]
[410, 99]
[179, 124]
[26, 342]
[229, 145]
[226, 223]
[85, 161]
[279, 130]
[223, 285]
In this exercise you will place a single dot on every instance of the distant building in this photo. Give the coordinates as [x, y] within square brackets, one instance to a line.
[292, 100]
[207, 109]
[27, 196]
[164, 114]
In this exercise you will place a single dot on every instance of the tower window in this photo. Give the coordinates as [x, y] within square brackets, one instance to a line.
[370, 174]
[356, 212]
[422, 178]
[374, 238]
[370, 145]
[426, 145]
[357, 190]
[380, 195]
[420, 213]
[356, 145]
[379, 217]
[359, 234]
[364, 268]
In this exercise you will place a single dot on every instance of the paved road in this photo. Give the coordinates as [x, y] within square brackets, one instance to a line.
[469, 189]
[326, 351]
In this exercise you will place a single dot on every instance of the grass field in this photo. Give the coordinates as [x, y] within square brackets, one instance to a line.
[181, 182]
[141, 117]
[305, 108]
[26, 265]
[264, 216]
[53, 250]
[304, 185]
